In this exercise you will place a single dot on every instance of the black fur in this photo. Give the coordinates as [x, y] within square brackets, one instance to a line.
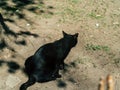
[45, 64]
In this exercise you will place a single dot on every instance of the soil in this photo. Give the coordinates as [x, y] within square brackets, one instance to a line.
[34, 24]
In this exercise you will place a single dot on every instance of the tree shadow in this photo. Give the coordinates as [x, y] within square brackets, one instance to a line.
[61, 84]
[22, 42]
[1, 62]
[18, 6]
[12, 66]
[17, 9]
[5, 31]
[73, 64]
[14, 9]
[27, 33]
[8, 31]
[3, 44]
[68, 66]
[71, 80]
[21, 3]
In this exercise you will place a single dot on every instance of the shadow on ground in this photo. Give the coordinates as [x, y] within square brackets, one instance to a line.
[6, 31]
[63, 83]
[15, 8]
[11, 8]
[12, 66]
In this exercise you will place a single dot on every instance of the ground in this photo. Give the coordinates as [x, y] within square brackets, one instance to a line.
[33, 24]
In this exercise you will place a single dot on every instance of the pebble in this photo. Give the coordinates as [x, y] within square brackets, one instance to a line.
[97, 24]
[27, 24]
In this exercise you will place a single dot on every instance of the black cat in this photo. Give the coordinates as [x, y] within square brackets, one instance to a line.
[45, 64]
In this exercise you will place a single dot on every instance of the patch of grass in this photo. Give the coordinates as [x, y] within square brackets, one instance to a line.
[105, 48]
[70, 12]
[40, 6]
[44, 11]
[95, 16]
[96, 47]
[82, 60]
[75, 1]
[46, 15]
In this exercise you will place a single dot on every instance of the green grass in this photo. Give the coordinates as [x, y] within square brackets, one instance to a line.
[96, 47]
[95, 16]
[70, 11]
[70, 14]
[40, 6]
[75, 1]
[42, 10]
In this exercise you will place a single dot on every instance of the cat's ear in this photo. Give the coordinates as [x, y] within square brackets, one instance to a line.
[64, 33]
[76, 35]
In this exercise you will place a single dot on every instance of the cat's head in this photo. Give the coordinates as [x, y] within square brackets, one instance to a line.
[71, 39]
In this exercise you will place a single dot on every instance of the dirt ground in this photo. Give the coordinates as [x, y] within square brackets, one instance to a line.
[34, 24]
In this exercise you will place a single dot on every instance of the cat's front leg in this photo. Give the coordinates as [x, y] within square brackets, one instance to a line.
[56, 72]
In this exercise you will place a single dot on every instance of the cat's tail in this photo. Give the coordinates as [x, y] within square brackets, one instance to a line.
[30, 82]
